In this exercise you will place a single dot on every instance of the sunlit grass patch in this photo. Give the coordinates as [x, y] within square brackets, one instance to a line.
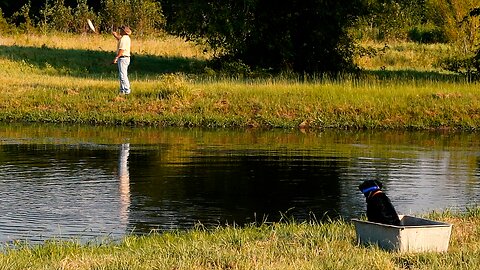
[163, 45]
[405, 56]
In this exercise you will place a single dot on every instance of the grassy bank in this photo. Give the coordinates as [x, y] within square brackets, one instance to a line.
[68, 79]
[330, 245]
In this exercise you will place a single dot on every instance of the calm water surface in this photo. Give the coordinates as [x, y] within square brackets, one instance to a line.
[90, 183]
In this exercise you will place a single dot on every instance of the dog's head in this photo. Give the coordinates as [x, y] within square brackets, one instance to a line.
[370, 185]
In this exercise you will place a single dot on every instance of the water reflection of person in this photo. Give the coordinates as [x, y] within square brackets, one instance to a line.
[124, 178]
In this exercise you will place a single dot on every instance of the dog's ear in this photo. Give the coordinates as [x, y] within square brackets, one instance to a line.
[360, 186]
[367, 184]
[379, 184]
[363, 185]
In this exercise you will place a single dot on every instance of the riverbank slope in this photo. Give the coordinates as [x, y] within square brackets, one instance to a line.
[329, 245]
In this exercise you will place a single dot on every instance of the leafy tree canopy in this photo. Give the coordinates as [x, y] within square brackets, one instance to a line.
[299, 35]
[10, 6]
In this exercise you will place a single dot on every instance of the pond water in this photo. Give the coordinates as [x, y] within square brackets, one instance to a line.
[90, 183]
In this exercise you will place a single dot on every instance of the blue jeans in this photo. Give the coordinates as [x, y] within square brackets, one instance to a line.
[123, 63]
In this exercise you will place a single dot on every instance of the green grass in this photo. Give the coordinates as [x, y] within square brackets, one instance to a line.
[288, 245]
[69, 79]
[405, 56]
[172, 100]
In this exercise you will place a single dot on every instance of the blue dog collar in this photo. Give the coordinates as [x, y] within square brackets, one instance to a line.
[370, 189]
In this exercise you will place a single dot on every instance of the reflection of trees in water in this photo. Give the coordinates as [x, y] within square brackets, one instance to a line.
[234, 187]
[70, 156]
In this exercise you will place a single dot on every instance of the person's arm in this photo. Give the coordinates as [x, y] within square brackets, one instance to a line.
[119, 54]
[116, 35]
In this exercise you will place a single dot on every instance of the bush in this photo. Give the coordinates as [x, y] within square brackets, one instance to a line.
[4, 27]
[114, 13]
[22, 18]
[57, 16]
[143, 16]
[427, 34]
[467, 66]
[147, 16]
[297, 35]
[448, 15]
[390, 19]
[81, 13]
[468, 63]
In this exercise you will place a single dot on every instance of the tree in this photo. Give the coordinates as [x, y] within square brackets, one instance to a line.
[467, 62]
[392, 19]
[144, 16]
[300, 35]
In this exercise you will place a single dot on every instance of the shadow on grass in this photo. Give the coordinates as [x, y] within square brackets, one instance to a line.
[90, 63]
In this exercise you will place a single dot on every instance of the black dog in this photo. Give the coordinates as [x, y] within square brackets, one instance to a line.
[379, 206]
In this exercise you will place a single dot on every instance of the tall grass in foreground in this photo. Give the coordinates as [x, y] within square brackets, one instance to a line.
[328, 245]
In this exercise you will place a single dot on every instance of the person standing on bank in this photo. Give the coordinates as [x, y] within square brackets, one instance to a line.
[122, 59]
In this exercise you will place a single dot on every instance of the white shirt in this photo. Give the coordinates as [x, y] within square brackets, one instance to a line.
[124, 44]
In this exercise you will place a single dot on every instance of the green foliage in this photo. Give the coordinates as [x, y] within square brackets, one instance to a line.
[114, 12]
[428, 21]
[225, 68]
[23, 18]
[467, 60]
[467, 66]
[427, 34]
[147, 16]
[144, 16]
[448, 15]
[438, 20]
[221, 26]
[303, 36]
[57, 16]
[81, 13]
[391, 19]
[4, 27]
